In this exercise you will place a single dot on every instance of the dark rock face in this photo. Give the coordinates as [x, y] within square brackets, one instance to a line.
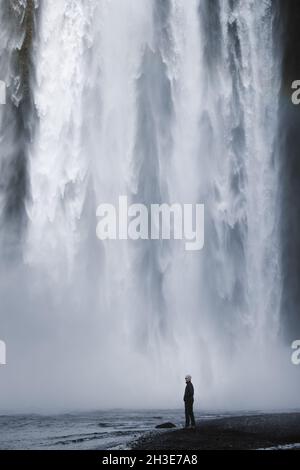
[17, 123]
[165, 426]
[289, 150]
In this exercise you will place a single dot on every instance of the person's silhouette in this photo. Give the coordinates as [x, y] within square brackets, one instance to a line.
[189, 402]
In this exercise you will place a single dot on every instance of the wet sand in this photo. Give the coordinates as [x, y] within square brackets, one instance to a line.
[232, 433]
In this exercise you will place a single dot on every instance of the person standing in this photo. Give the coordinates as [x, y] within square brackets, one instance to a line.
[189, 402]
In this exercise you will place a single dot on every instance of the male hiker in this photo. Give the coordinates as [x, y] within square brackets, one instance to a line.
[189, 402]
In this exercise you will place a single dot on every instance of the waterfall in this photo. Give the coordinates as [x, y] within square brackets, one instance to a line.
[161, 101]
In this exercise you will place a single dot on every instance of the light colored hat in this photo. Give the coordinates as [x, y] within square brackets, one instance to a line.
[188, 377]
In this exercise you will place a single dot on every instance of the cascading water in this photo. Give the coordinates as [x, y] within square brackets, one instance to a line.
[161, 101]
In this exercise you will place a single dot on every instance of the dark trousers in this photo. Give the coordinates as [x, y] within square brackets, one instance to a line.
[189, 414]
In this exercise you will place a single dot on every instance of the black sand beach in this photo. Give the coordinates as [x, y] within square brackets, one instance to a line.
[262, 431]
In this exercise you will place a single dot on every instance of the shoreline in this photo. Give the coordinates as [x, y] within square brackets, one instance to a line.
[246, 432]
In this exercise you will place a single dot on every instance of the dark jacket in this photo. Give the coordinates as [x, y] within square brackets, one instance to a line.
[189, 393]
